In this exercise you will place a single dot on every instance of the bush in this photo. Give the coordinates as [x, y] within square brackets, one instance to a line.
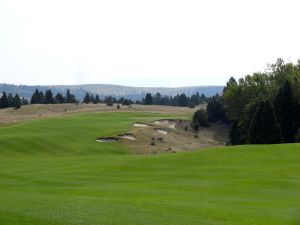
[200, 118]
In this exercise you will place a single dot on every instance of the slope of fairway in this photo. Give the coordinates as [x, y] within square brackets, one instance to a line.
[53, 172]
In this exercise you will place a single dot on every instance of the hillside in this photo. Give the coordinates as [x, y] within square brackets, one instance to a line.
[54, 172]
[134, 93]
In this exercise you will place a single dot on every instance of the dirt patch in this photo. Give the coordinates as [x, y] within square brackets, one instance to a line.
[161, 136]
[107, 139]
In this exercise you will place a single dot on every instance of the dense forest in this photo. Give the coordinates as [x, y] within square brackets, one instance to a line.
[262, 108]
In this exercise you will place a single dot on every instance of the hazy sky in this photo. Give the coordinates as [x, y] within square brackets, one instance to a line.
[144, 43]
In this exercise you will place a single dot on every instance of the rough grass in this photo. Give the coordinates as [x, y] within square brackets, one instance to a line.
[52, 171]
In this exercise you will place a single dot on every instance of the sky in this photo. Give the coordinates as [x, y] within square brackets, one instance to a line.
[144, 43]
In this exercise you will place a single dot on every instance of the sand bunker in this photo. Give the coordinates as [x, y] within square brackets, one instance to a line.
[107, 139]
[162, 131]
[140, 125]
[167, 123]
[130, 137]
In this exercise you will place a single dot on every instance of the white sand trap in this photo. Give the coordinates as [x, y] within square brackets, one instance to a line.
[168, 123]
[108, 139]
[130, 137]
[162, 131]
[140, 125]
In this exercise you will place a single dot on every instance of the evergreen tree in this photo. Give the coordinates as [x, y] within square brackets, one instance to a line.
[35, 97]
[215, 109]
[17, 102]
[109, 100]
[59, 98]
[97, 99]
[92, 99]
[4, 100]
[182, 100]
[70, 98]
[48, 99]
[286, 111]
[148, 99]
[10, 100]
[264, 128]
[24, 101]
[87, 98]
[41, 98]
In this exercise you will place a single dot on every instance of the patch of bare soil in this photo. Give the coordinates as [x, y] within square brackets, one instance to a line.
[163, 137]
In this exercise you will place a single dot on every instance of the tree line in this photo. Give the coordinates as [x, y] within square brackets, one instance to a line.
[47, 97]
[262, 108]
[8, 100]
[39, 97]
[109, 100]
[180, 100]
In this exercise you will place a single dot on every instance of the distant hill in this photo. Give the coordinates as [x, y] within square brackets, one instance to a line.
[134, 93]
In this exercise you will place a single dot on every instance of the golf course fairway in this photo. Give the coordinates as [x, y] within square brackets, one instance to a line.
[53, 172]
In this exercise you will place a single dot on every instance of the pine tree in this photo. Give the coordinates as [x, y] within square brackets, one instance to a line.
[17, 102]
[70, 98]
[97, 99]
[4, 100]
[35, 97]
[59, 98]
[48, 99]
[10, 100]
[182, 101]
[264, 128]
[87, 98]
[215, 109]
[24, 101]
[41, 98]
[286, 112]
[148, 99]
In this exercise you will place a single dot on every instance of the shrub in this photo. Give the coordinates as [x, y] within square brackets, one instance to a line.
[152, 143]
[200, 118]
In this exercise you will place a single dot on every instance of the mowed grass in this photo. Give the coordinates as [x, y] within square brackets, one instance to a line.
[53, 172]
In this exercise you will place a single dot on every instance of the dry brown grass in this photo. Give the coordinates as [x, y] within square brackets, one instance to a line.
[30, 112]
[150, 141]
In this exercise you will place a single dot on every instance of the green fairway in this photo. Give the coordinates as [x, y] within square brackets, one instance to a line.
[52, 171]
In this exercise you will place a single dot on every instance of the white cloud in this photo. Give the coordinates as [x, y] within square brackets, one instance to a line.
[143, 43]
